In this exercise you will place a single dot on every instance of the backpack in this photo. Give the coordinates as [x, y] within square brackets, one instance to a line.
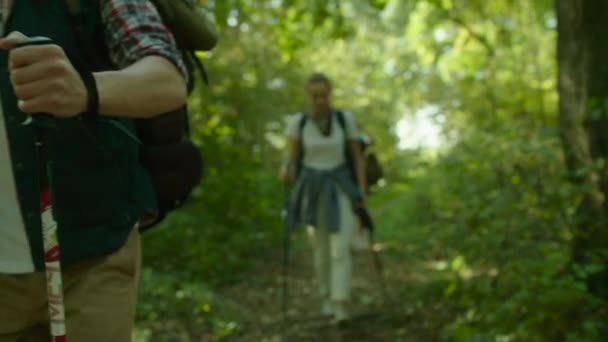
[174, 163]
[373, 169]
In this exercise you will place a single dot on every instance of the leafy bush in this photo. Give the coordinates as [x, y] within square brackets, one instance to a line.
[494, 215]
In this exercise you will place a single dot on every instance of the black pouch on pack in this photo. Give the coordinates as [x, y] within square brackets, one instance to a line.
[174, 163]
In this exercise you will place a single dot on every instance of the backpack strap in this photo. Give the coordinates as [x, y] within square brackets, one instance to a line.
[201, 69]
[77, 21]
[73, 7]
[342, 122]
[300, 157]
[91, 50]
[302, 123]
[348, 156]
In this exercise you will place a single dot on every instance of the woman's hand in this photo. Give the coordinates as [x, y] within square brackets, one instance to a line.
[359, 224]
[361, 200]
[288, 169]
[286, 174]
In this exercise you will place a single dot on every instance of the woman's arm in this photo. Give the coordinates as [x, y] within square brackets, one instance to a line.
[288, 168]
[359, 165]
[354, 147]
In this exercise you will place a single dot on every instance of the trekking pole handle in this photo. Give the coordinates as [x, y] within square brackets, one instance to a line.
[39, 120]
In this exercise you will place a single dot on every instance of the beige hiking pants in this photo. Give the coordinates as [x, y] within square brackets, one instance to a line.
[99, 295]
[332, 252]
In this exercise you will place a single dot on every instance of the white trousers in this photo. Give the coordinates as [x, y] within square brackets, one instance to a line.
[332, 251]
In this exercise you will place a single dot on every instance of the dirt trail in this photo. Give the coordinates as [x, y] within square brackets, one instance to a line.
[254, 304]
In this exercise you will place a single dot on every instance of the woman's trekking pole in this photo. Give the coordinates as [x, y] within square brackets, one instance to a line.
[286, 232]
[42, 124]
[285, 293]
[379, 267]
[368, 223]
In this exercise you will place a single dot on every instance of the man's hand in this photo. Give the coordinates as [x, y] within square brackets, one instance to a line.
[44, 79]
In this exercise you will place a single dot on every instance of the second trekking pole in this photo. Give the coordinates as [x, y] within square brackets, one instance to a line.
[285, 266]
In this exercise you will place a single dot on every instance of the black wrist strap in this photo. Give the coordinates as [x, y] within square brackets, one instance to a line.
[90, 84]
[86, 74]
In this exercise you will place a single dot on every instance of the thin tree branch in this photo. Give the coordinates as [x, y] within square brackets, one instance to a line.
[481, 39]
[460, 22]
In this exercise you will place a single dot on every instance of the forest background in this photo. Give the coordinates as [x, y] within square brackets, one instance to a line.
[489, 118]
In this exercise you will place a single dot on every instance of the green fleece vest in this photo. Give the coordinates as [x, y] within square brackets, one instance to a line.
[98, 187]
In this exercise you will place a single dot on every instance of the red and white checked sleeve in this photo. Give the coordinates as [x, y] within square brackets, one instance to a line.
[133, 30]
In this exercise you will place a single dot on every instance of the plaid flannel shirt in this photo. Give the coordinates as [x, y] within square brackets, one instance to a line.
[133, 30]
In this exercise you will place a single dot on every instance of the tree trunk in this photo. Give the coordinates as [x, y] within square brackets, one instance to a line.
[583, 121]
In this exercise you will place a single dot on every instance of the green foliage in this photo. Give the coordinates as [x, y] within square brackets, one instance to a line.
[489, 215]
[494, 216]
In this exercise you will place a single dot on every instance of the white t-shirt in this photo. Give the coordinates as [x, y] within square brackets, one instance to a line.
[322, 152]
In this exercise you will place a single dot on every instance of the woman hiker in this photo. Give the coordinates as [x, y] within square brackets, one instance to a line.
[326, 189]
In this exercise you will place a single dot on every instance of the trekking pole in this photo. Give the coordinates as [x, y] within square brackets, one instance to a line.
[379, 266]
[285, 266]
[284, 289]
[368, 223]
[42, 124]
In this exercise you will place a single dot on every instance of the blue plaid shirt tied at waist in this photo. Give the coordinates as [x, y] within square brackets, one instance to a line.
[313, 187]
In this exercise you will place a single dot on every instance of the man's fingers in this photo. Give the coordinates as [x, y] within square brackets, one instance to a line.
[34, 89]
[42, 104]
[34, 53]
[33, 72]
[11, 40]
